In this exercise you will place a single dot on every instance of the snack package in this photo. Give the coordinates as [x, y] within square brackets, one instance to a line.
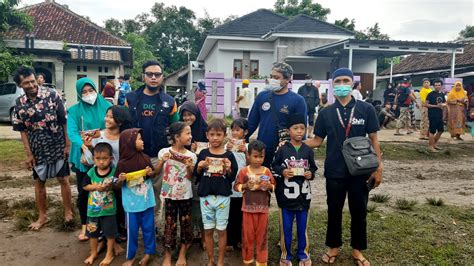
[135, 178]
[178, 157]
[216, 165]
[298, 166]
[201, 146]
[236, 143]
[95, 133]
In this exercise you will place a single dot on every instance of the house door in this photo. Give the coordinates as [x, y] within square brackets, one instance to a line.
[367, 81]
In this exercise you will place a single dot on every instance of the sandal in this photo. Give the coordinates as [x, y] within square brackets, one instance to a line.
[360, 262]
[285, 262]
[306, 262]
[331, 259]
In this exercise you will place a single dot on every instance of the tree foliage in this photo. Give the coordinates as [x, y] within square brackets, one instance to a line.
[141, 53]
[290, 8]
[10, 17]
[372, 33]
[467, 32]
[346, 23]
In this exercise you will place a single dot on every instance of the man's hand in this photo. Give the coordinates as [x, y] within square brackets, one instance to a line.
[30, 161]
[377, 176]
[67, 149]
[287, 173]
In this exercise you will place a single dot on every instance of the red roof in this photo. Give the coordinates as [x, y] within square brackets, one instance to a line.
[424, 62]
[55, 22]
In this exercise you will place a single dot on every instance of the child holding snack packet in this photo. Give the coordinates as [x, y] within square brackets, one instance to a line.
[215, 172]
[294, 166]
[256, 182]
[191, 115]
[177, 164]
[238, 147]
[101, 207]
[134, 172]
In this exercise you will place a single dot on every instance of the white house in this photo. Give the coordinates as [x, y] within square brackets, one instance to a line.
[66, 46]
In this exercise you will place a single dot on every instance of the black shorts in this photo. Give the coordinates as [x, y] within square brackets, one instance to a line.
[436, 125]
[103, 225]
[311, 119]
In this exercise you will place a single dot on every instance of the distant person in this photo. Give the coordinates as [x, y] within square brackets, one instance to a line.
[403, 99]
[310, 93]
[389, 94]
[109, 90]
[40, 79]
[356, 91]
[124, 89]
[200, 98]
[457, 104]
[425, 123]
[436, 102]
[244, 101]
[386, 115]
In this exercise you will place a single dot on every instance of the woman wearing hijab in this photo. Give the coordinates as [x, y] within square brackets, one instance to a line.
[457, 102]
[191, 115]
[200, 98]
[86, 117]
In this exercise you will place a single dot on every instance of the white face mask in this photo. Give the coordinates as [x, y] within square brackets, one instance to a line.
[274, 85]
[90, 98]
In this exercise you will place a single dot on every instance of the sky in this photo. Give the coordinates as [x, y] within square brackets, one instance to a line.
[419, 20]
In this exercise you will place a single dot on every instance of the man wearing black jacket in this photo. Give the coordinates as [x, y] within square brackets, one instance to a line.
[344, 119]
[310, 94]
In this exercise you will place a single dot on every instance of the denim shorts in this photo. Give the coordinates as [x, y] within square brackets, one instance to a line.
[215, 212]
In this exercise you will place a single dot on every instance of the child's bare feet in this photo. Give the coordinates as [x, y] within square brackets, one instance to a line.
[106, 261]
[118, 250]
[129, 262]
[144, 261]
[90, 259]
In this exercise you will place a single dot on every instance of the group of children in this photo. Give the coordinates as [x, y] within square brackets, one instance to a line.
[228, 177]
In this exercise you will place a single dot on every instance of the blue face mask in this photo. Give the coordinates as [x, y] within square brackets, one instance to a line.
[342, 90]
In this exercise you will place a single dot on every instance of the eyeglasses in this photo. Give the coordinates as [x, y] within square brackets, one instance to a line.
[155, 74]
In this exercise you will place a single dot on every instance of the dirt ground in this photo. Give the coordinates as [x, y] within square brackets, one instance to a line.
[453, 181]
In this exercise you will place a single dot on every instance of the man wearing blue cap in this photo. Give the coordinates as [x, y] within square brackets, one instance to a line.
[344, 119]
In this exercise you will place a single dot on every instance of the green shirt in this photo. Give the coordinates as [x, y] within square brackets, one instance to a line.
[100, 203]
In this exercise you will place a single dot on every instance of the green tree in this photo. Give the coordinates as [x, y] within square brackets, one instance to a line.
[346, 23]
[114, 26]
[290, 8]
[372, 33]
[141, 53]
[10, 18]
[467, 32]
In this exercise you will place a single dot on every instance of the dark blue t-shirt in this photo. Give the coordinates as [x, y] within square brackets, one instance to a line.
[261, 115]
[364, 122]
[148, 107]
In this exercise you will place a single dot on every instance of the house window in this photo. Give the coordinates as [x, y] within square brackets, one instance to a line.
[106, 69]
[78, 68]
[100, 69]
[84, 68]
[237, 73]
[81, 76]
[253, 68]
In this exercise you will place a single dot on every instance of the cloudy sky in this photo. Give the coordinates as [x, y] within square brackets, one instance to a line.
[423, 20]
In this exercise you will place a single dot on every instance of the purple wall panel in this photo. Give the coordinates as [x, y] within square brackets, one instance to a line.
[220, 83]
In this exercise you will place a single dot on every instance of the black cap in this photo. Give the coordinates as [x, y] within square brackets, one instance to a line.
[294, 119]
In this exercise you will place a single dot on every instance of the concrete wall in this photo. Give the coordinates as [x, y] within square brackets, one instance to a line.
[71, 73]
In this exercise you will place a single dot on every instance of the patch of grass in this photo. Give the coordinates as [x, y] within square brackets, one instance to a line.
[58, 222]
[380, 198]
[427, 236]
[16, 182]
[417, 151]
[435, 201]
[371, 208]
[405, 205]
[12, 152]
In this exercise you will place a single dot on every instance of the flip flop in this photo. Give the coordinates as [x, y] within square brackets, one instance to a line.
[329, 258]
[360, 261]
[82, 237]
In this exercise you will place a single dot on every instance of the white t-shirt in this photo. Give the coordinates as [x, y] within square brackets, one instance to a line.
[246, 102]
[357, 95]
[176, 185]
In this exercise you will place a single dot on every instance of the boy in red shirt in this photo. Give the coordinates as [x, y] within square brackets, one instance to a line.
[255, 182]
